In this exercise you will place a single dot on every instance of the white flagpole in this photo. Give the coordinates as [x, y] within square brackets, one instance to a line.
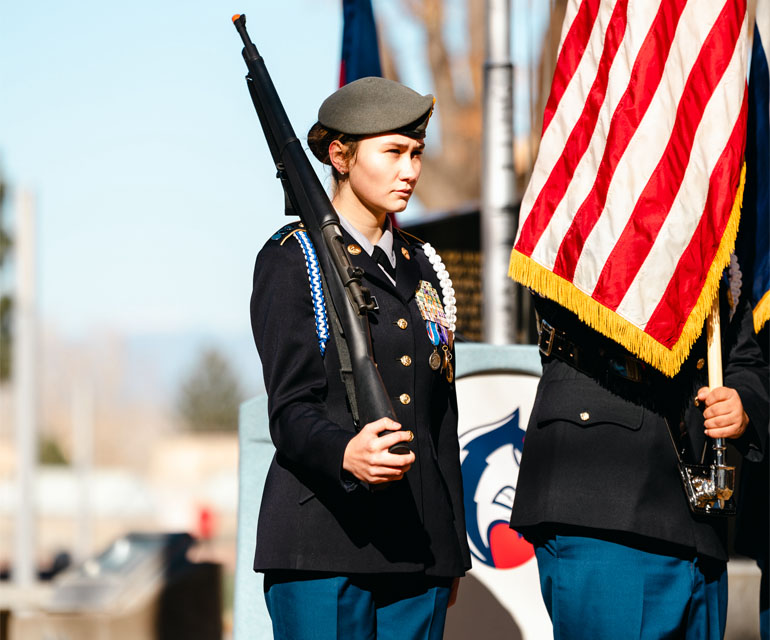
[497, 183]
[83, 436]
[25, 386]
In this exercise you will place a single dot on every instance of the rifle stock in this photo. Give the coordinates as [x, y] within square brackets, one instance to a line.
[306, 198]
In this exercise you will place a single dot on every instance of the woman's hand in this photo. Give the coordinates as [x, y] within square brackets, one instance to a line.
[367, 456]
[724, 415]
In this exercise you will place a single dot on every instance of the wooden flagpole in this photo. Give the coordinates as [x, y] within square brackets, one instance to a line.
[714, 342]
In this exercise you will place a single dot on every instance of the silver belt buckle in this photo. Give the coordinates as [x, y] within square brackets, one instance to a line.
[547, 330]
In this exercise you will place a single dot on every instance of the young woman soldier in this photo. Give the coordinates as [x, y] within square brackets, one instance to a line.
[342, 560]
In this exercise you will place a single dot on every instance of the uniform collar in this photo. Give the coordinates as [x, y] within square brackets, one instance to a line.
[408, 272]
[385, 242]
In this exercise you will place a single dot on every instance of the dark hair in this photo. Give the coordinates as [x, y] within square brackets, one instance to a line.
[318, 140]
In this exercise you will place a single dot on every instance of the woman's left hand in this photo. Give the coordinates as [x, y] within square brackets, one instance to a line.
[724, 415]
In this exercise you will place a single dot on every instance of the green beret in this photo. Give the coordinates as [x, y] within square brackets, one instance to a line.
[370, 106]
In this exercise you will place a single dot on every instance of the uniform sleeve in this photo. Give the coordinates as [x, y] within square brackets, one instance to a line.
[747, 372]
[283, 323]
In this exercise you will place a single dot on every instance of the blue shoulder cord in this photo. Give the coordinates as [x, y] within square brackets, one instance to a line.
[316, 288]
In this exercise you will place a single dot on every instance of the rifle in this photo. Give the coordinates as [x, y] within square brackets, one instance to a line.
[306, 198]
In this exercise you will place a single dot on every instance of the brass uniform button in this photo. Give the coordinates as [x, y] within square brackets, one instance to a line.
[405, 398]
[402, 324]
[405, 253]
[584, 415]
[700, 364]
[354, 249]
[405, 360]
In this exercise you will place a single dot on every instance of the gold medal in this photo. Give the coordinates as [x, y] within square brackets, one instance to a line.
[446, 365]
[434, 360]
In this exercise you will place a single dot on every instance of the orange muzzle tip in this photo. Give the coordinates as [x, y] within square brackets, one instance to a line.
[236, 16]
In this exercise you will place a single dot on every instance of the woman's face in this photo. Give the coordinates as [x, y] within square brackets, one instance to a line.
[384, 171]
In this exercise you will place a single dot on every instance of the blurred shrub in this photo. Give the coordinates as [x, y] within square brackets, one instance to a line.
[49, 452]
[210, 395]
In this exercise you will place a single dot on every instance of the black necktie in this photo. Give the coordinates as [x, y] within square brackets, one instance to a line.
[379, 256]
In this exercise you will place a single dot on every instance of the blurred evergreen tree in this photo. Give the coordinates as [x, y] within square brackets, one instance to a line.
[49, 452]
[211, 394]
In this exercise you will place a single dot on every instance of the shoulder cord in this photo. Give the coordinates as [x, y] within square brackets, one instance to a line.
[319, 294]
[316, 289]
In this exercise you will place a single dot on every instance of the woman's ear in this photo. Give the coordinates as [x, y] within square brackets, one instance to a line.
[338, 156]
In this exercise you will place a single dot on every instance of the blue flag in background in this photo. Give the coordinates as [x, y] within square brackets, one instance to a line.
[360, 52]
[753, 242]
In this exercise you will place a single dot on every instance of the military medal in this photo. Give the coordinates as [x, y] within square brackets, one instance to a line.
[437, 326]
[434, 360]
[447, 364]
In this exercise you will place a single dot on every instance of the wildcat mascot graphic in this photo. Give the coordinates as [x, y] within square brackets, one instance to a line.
[490, 456]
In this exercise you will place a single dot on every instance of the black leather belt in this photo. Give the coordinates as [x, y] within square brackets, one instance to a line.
[593, 362]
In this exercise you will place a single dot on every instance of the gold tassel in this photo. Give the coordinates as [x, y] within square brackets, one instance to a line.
[529, 273]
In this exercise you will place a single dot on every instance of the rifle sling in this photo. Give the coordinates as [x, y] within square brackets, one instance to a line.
[346, 366]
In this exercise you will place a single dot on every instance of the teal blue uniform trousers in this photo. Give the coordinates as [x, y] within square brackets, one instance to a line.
[632, 593]
[311, 606]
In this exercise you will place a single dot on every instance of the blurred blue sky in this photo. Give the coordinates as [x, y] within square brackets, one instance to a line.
[132, 126]
[134, 129]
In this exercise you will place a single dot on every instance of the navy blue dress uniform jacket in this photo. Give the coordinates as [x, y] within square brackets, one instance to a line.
[315, 516]
[598, 454]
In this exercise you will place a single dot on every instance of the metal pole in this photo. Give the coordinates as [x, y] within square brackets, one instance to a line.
[497, 185]
[25, 386]
[83, 432]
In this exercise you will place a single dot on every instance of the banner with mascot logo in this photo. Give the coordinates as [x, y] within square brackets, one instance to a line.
[500, 597]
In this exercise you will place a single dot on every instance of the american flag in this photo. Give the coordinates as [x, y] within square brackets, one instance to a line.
[633, 206]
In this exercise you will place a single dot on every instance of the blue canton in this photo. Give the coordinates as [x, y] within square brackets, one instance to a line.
[316, 288]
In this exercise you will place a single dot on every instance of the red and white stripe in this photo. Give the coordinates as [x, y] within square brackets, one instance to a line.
[640, 155]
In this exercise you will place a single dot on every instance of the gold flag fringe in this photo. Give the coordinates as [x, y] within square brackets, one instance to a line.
[762, 312]
[529, 273]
